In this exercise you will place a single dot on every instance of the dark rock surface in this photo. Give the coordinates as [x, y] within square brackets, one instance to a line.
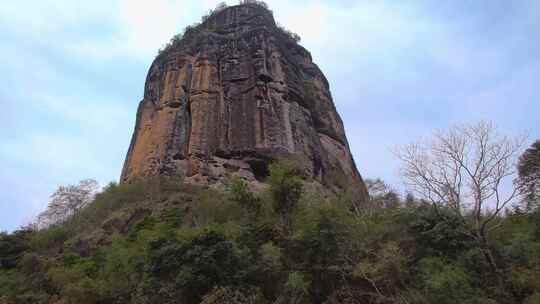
[233, 94]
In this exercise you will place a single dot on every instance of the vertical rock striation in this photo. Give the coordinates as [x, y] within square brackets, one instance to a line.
[233, 94]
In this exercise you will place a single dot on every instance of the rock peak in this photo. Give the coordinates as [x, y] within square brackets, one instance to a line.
[238, 14]
[233, 94]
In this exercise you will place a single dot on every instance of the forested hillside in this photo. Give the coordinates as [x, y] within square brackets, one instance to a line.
[162, 241]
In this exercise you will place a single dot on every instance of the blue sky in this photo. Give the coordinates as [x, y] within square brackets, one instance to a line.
[73, 73]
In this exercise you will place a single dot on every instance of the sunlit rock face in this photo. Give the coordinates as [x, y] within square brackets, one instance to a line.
[235, 93]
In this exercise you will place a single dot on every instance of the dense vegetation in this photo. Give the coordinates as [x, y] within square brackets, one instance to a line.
[161, 241]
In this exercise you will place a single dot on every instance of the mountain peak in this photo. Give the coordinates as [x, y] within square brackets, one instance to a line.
[233, 94]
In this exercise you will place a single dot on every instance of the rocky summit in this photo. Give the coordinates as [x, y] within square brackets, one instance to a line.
[233, 94]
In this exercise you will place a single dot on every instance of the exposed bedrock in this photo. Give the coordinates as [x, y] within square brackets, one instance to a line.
[235, 93]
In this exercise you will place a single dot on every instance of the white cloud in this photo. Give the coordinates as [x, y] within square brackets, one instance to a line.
[397, 69]
[149, 24]
[311, 22]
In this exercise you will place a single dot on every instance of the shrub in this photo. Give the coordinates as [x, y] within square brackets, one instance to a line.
[386, 268]
[439, 232]
[49, 238]
[296, 289]
[196, 266]
[11, 284]
[317, 247]
[285, 190]
[84, 291]
[115, 197]
[271, 256]
[212, 208]
[12, 246]
[443, 282]
[119, 271]
[230, 295]
[246, 199]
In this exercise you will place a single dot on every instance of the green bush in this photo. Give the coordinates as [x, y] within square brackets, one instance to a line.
[12, 246]
[444, 282]
[240, 194]
[296, 289]
[230, 295]
[285, 190]
[195, 266]
[49, 238]
[439, 232]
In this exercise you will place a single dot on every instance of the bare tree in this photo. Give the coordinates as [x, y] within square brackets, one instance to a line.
[381, 195]
[66, 202]
[469, 169]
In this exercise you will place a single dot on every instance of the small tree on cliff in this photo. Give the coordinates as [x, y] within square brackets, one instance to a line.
[66, 202]
[239, 192]
[286, 190]
[467, 169]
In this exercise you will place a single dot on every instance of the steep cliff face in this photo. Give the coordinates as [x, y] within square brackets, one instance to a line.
[233, 94]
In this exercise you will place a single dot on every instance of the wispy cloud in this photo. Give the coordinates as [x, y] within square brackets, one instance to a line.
[73, 73]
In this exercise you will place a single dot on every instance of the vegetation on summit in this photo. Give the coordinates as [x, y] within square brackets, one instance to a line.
[213, 12]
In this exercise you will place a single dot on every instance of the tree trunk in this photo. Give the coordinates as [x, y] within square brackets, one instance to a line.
[488, 255]
[486, 251]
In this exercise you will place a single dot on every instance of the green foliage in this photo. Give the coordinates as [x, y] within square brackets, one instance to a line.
[386, 268]
[72, 285]
[118, 197]
[12, 247]
[230, 295]
[118, 269]
[114, 197]
[247, 200]
[270, 257]
[285, 190]
[529, 175]
[439, 231]
[149, 223]
[174, 217]
[212, 208]
[49, 237]
[296, 289]
[11, 284]
[288, 244]
[321, 230]
[194, 266]
[444, 282]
